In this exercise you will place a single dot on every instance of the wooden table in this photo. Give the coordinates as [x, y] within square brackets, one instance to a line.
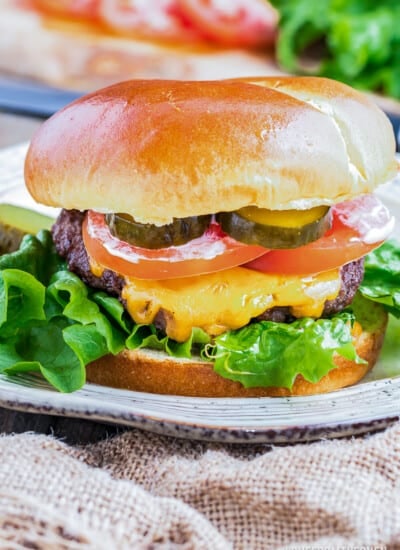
[13, 130]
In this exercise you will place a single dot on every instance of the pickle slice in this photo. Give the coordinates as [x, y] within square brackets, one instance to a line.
[147, 235]
[15, 222]
[276, 228]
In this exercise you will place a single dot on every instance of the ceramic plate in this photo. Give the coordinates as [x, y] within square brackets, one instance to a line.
[368, 406]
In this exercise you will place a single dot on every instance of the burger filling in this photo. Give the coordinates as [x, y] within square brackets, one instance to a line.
[215, 302]
[187, 299]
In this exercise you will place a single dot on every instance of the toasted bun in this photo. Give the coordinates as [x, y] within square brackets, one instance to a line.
[155, 372]
[163, 149]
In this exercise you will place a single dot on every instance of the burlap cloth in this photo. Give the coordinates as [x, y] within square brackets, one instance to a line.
[143, 491]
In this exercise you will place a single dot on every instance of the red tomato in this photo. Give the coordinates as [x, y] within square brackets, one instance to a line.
[358, 226]
[213, 251]
[71, 8]
[150, 18]
[233, 22]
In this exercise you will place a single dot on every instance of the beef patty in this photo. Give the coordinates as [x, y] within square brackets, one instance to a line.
[67, 236]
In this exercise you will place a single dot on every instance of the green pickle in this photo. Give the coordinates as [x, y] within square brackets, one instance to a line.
[276, 228]
[147, 235]
[15, 222]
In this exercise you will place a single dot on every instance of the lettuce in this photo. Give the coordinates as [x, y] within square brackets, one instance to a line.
[273, 354]
[358, 41]
[381, 281]
[53, 324]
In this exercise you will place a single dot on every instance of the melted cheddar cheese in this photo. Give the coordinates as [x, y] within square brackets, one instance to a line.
[225, 300]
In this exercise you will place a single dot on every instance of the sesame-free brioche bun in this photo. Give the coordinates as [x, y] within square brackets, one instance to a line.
[159, 150]
[153, 371]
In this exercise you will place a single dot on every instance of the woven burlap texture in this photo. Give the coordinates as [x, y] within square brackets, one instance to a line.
[143, 491]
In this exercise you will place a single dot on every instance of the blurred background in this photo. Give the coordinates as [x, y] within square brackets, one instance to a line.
[52, 51]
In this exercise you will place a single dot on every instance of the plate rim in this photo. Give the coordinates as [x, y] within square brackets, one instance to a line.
[272, 434]
[226, 434]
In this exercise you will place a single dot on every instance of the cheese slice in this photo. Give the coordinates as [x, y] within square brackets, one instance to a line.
[226, 300]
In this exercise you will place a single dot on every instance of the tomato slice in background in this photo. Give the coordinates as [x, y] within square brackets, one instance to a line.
[157, 19]
[358, 226]
[243, 23]
[213, 251]
[87, 9]
[234, 22]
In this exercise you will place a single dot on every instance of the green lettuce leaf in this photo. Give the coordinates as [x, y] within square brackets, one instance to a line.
[51, 322]
[21, 301]
[273, 354]
[146, 336]
[356, 41]
[74, 298]
[381, 281]
[36, 255]
[43, 349]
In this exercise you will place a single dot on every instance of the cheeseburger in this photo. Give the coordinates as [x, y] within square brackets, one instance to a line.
[229, 220]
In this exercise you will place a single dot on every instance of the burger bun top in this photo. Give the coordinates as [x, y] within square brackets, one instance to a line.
[163, 149]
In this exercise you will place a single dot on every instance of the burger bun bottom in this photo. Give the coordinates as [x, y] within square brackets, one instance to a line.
[152, 371]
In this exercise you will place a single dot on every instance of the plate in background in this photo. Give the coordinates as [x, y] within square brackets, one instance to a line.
[368, 406]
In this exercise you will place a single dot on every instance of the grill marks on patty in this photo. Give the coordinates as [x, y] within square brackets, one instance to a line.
[67, 236]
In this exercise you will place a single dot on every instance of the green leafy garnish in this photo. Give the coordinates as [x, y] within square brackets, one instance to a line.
[382, 277]
[355, 41]
[273, 354]
[51, 322]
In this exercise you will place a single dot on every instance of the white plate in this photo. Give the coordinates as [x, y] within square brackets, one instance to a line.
[370, 405]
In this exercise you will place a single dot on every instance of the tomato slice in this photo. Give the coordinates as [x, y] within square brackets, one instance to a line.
[213, 251]
[358, 226]
[237, 22]
[157, 19]
[86, 9]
